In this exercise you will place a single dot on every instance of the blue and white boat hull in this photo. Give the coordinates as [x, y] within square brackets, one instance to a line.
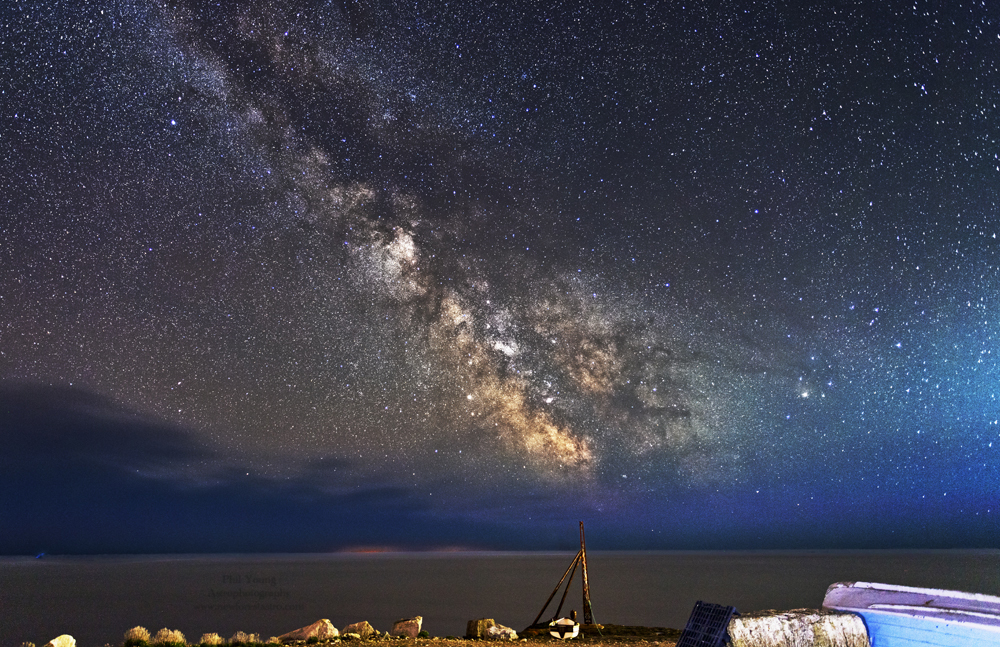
[903, 616]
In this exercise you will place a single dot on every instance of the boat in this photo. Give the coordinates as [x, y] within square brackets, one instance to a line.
[907, 616]
[564, 628]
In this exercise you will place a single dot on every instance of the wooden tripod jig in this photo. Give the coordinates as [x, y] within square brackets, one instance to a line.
[579, 560]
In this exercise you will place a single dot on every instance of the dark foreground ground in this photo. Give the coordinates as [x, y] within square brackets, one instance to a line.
[665, 638]
[607, 641]
[604, 636]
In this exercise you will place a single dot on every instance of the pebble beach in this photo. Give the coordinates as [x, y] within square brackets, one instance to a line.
[606, 636]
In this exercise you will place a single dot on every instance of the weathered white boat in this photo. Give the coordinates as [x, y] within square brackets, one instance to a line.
[564, 628]
[905, 616]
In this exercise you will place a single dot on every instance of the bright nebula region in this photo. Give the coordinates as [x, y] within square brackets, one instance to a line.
[346, 275]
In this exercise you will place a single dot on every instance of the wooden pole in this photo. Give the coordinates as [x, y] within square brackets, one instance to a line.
[588, 611]
[568, 583]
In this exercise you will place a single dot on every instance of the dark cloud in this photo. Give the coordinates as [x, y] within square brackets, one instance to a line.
[57, 426]
[84, 475]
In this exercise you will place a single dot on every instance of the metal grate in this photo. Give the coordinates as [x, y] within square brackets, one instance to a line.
[707, 626]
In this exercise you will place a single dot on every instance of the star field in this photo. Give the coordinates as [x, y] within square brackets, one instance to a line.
[716, 274]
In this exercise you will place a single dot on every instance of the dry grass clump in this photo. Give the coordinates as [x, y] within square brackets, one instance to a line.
[211, 639]
[169, 638]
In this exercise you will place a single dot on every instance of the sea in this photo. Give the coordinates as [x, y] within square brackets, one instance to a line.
[97, 598]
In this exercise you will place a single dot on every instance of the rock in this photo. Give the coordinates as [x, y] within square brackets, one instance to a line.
[488, 629]
[500, 632]
[798, 627]
[169, 637]
[137, 635]
[321, 629]
[363, 629]
[479, 628]
[408, 627]
[64, 640]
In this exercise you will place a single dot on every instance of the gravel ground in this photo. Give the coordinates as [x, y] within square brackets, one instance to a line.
[609, 636]
[611, 641]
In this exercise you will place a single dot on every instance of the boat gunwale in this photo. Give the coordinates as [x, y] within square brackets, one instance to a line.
[939, 593]
[919, 608]
[933, 611]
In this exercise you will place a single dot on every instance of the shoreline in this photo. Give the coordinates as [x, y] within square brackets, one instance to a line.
[96, 598]
[610, 636]
[476, 553]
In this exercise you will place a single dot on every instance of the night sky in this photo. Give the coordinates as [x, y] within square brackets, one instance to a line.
[363, 274]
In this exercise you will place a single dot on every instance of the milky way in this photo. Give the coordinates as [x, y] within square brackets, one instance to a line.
[728, 263]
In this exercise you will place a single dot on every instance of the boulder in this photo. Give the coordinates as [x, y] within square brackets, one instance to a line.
[408, 627]
[798, 627]
[500, 632]
[322, 629]
[168, 637]
[363, 629]
[488, 629]
[137, 635]
[64, 640]
[478, 628]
